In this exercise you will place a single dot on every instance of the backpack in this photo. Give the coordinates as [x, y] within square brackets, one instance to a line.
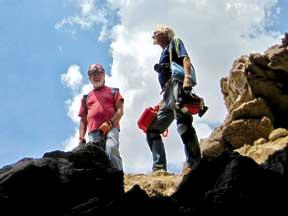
[85, 97]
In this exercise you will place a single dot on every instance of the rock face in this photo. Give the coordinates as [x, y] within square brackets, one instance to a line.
[58, 182]
[82, 183]
[157, 183]
[263, 148]
[256, 97]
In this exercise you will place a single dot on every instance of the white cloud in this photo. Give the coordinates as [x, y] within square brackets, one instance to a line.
[73, 78]
[91, 16]
[215, 34]
[72, 141]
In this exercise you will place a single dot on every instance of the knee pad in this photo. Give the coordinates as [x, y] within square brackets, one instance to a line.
[153, 136]
[181, 128]
[188, 135]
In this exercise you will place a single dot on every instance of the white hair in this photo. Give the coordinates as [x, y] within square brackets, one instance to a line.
[166, 30]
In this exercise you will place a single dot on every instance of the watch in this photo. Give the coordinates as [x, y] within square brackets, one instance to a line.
[188, 76]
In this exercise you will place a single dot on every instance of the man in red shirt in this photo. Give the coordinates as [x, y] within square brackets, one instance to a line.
[100, 112]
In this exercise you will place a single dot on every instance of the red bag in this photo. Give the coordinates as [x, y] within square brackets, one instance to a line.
[146, 118]
[194, 107]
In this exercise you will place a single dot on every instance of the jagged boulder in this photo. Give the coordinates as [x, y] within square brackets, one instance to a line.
[215, 185]
[256, 97]
[278, 162]
[244, 131]
[278, 133]
[59, 181]
[253, 109]
[215, 144]
[82, 183]
[230, 181]
[263, 148]
[156, 183]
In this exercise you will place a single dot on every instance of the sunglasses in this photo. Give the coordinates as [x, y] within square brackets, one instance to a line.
[95, 72]
[155, 34]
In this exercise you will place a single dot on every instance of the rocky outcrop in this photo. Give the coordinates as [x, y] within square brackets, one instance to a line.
[82, 183]
[256, 97]
[263, 148]
[157, 183]
[231, 181]
[57, 182]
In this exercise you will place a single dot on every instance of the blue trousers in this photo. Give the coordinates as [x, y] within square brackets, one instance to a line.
[167, 113]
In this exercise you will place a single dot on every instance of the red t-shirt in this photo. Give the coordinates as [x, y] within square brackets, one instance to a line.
[100, 107]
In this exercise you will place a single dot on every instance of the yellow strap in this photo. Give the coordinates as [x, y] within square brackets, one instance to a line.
[176, 41]
[177, 45]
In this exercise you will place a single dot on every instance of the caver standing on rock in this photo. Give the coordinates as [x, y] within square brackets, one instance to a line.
[173, 49]
[100, 112]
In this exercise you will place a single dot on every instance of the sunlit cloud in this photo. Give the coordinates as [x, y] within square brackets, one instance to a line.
[215, 33]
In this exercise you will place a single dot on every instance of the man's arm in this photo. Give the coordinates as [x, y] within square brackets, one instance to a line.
[187, 83]
[106, 126]
[184, 57]
[82, 130]
[119, 112]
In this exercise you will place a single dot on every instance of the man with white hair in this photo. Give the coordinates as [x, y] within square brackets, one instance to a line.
[172, 49]
[100, 112]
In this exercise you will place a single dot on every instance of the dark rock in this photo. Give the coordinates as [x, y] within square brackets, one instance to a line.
[60, 180]
[278, 162]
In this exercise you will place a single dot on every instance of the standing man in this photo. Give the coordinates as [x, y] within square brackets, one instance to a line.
[100, 112]
[164, 36]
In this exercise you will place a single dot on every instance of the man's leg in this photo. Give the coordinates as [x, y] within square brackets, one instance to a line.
[189, 138]
[159, 125]
[112, 148]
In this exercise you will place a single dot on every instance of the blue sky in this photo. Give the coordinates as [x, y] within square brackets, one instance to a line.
[41, 39]
[32, 57]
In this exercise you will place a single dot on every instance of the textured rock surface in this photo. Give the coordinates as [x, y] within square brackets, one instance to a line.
[262, 149]
[157, 183]
[59, 181]
[256, 97]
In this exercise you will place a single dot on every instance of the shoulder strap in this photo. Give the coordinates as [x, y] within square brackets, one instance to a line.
[114, 91]
[84, 98]
[176, 42]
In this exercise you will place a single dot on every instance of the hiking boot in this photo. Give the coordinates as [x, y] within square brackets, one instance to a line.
[159, 170]
[157, 167]
[186, 170]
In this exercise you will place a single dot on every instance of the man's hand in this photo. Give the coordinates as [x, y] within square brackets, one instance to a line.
[157, 106]
[82, 141]
[106, 126]
[187, 84]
